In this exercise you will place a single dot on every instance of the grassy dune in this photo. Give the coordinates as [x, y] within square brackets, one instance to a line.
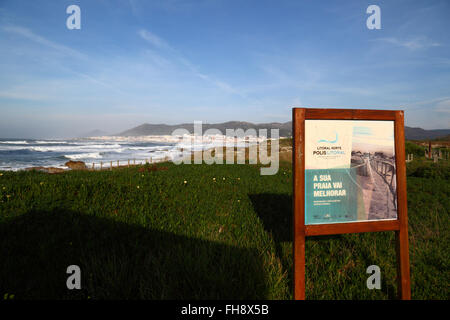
[201, 232]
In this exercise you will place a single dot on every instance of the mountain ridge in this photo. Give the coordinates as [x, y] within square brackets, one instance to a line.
[165, 129]
[411, 133]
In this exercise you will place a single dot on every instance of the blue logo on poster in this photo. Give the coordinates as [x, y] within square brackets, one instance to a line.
[329, 141]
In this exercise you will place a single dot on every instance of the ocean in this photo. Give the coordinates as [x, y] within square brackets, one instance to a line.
[17, 154]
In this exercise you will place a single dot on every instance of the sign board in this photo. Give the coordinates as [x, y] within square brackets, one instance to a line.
[349, 177]
[349, 171]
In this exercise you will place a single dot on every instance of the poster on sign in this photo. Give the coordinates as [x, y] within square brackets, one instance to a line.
[350, 173]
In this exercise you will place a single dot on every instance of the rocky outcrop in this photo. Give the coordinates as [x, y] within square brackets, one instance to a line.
[76, 165]
[46, 169]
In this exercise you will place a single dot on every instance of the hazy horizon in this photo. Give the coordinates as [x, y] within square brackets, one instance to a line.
[106, 133]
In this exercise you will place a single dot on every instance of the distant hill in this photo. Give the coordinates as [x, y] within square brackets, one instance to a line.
[444, 138]
[164, 129]
[422, 134]
[285, 129]
[94, 133]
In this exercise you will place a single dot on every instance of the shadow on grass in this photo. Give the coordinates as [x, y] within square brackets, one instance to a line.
[275, 212]
[119, 261]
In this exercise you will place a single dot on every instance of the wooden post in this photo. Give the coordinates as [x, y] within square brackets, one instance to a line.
[298, 130]
[93, 163]
[403, 270]
[110, 168]
[128, 163]
[430, 151]
[101, 165]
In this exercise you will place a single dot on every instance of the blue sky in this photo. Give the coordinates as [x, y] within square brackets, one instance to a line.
[136, 61]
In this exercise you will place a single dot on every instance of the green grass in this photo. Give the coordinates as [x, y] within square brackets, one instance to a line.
[415, 149]
[150, 235]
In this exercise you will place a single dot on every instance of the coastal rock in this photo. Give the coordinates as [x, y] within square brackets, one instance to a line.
[46, 169]
[76, 165]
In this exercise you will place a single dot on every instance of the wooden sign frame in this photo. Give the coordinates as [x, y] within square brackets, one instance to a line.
[301, 231]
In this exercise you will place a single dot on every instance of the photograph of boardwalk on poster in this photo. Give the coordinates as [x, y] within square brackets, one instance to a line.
[350, 173]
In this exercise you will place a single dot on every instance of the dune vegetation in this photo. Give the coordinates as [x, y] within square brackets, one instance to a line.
[202, 232]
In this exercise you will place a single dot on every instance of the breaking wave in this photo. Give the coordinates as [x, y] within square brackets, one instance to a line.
[92, 155]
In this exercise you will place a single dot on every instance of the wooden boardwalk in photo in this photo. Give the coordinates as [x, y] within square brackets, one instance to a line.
[377, 191]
